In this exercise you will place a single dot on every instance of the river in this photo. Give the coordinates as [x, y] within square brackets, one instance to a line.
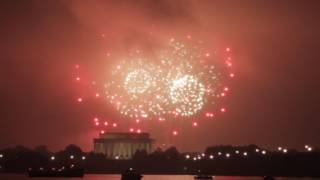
[146, 177]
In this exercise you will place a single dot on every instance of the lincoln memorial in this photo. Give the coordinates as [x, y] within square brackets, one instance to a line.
[116, 145]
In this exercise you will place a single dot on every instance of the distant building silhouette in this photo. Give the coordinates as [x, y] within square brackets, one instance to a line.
[116, 145]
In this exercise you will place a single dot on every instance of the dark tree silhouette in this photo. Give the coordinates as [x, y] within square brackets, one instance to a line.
[172, 153]
[73, 149]
[43, 150]
[140, 154]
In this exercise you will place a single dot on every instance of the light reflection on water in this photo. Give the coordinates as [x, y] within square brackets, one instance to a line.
[146, 177]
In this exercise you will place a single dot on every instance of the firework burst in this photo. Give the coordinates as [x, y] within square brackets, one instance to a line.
[187, 95]
[132, 89]
[182, 80]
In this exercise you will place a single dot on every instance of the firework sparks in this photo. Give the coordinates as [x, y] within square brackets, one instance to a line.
[181, 81]
[137, 81]
[133, 89]
[187, 94]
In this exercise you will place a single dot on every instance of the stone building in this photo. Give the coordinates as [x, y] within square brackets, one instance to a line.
[116, 145]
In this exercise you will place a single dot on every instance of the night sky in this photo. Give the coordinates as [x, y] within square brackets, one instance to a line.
[275, 97]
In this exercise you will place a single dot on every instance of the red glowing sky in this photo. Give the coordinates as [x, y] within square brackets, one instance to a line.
[275, 95]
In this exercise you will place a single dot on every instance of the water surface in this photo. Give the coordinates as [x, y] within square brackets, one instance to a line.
[146, 177]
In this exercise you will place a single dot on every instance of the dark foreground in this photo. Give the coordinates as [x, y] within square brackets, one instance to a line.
[56, 173]
[146, 177]
[219, 160]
